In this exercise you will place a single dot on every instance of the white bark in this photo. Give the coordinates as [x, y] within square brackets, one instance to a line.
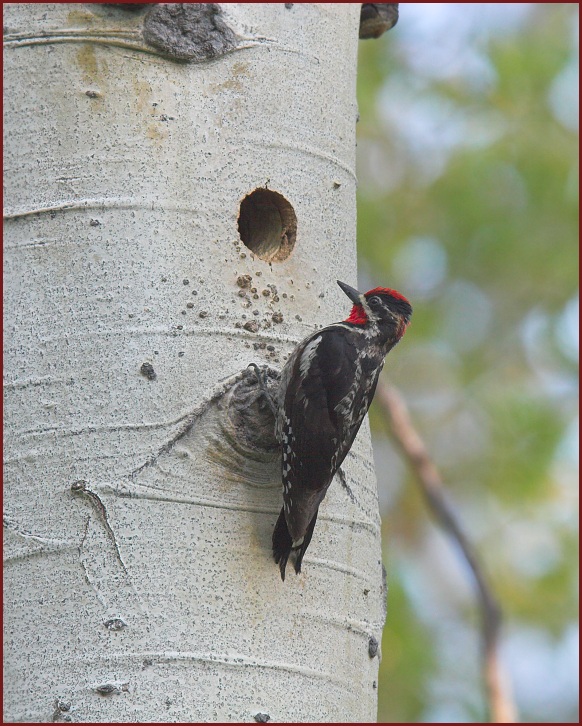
[151, 595]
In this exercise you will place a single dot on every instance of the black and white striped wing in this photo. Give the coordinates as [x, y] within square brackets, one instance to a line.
[326, 399]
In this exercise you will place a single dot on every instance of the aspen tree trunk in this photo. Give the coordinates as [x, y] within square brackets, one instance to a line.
[139, 581]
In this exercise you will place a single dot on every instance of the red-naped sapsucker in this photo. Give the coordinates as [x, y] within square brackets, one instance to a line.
[326, 388]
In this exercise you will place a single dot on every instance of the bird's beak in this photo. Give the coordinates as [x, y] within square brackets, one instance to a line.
[351, 292]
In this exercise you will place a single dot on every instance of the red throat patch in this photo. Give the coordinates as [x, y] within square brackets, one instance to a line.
[357, 316]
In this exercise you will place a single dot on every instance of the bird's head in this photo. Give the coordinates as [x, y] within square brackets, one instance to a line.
[380, 305]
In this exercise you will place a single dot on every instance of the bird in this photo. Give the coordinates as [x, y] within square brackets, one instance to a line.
[325, 391]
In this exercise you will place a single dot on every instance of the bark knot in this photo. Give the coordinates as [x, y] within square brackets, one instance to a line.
[189, 31]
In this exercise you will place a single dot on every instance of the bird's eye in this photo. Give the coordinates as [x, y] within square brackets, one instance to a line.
[373, 302]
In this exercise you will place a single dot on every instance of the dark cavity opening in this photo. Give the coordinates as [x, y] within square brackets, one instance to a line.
[267, 225]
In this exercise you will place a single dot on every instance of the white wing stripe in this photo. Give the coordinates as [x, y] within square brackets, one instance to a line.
[307, 355]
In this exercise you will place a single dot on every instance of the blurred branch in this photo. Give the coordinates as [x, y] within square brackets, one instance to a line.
[393, 407]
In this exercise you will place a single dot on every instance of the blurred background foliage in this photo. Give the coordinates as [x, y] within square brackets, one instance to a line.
[468, 204]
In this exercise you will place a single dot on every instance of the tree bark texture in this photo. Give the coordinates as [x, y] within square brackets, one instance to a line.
[139, 582]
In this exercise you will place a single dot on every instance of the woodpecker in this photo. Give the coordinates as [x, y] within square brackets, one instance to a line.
[326, 388]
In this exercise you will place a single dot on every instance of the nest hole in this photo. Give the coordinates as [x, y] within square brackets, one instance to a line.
[267, 225]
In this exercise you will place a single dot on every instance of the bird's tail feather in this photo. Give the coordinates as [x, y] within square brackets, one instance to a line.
[283, 544]
[305, 544]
